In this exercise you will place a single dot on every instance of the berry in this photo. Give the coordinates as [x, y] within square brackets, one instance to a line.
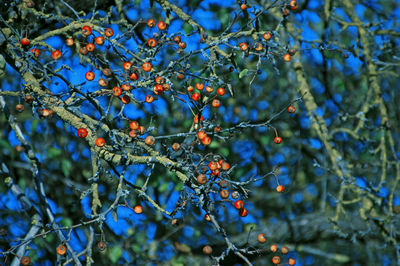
[291, 109]
[261, 238]
[276, 260]
[223, 183]
[190, 89]
[151, 23]
[201, 134]
[152, 42]
[126, 87]
[101, 245]
[61, 250]
[86, 30]
[125, 99]
[235, 195]
[138, 209]
[177, 39]
[285, 250]
[82, 133]
[150, 140]
[292, 51]
[127, 65]
[35, 52]
[278, 140]
[25, 42]
[28, 99]
[209, 89]
[216, 103]
[243, 7]
[200, 86]
[267, 36]
[201, 179]
[149, 99]
[292, 261]
[103, 82]
[212, 165]
[206, 141]
[89, 75]
[70, 42]
[207, 250]
[239, 204]
[83, 50]
[273, 248]
[293, 4]
[99, 40]
[117, 91]
[158, 89]
[176, 146]
[182, 45]
[243, 212]
[225, 166]
[220, 91]
[196, 96]
[100, 142]
[161, 25]
[160, 80]
[196, 119]
[142, 130]
[56, 55]
[243, 46]
[286, 57]
[207, 217]
[19, 108]
[224, 194]
[280, 188]
[133, 76]
[132, 134]
[258, 47]
[134, 125]
[146, 67]
[25, 260]
[109, 32]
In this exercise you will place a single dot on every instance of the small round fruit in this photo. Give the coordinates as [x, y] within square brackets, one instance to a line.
[134, 125]
[243, 7]
[225, 166]
[243, 212]
[146, 67]
[35, 52]
[29, 99]
[82, 133]
[142, 130]
[293, 4]
[196, 119]
[284, 250]
[86, 30]
[133, 76]
[207, 250]
[160, 80]
[258, 47]
[292, 51]
[103, 82]
[107, 72]
[99, 40]
[223, 183]
[207, 217]
[161, 25]
[150, 140]
[151, 23]
[201, 134]
[235, 195]
[292, 261]
[19, 108]
[109, 32]
[224, 194]
[158, 89]
[61, 250]
[182, 45]
[239, 204]
[25, 260]
[149, 99]
[190, 89]
[196, 96]
[126, 87]
[212, 165]
[291, 109]
[56, 55]
[267, 35]
[70, 42]
[25, 42]
[132, 134]
[152, 43]
[127, 65]
[209, 89]
[117, 91]
[243, 46]
[286, 57]
[201, 179]
[261, 238]
[101, 245]
[89, 75]
[100, 142]
[220, 91]
[125, 99]
[83, 50]
[280, 188]
[273, 248]
[278, 140]
[216, 103]
[177, 39]
[138, 209]
[206, 141]
[176, 146]
[276, 259]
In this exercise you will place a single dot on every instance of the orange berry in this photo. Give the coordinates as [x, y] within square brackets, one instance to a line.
[89, 75]
[225, 166]
[160, 80]
[276, 260]
[209, 89]
[200, 86]
[25, 260]
[201, 179]
[150, 140]
[239, 204]
[273, 248]
[267, 35]
[207, 250]
[35, 52]
[176, 146]
[291, 109]
[224, 194]
[117, 91]
[25, 42]
[126, 87]
[278, 140]
[280, 188]
[292, 261]
[243, 212]
[127, 65]
[83, 50]
[146, 67]
[196, 119]
[261, 238]
[161, 25]
[286, 57]
[190, 89]
[220, 91]
[177, 39]
[90, 47]
[201, 134]
[61, 250]
[70, 42]
[149, 99]
[125, 99]
[142, 130]
[86, 30]
[134, 125]
[293, 4]
[109, 32]
[103, 82]
[243, 46]
[19, 108]
[258, 46]
[100, 142]
[151, 22]
[152, 42]
[158, 89]
[107, 72]
[99, 40]
[133, 76]
[138, 209]
[243, 7]
[206, 141]
[216, 103]
[284, 250]
[182, 45]
[56, 55]
[207, 217]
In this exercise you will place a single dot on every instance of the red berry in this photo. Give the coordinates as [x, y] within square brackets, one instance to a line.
[86, 30]
[90, 47]
[152, 42]
[220, 91]
[61, 250]
[100, 142]
[239, 204]
[117, 91]
[280, 188]
[276, 260]
[109, 32]
[138, 209]
[127, 65]
[196, 96]
[82, 133]
[133, 76]
[206, 141]
[243, 46]
[56, 55]
[278, 140]
[292, 262]
[216, 103]
[146, 67]
[261, 238]
[99, 40]
[286, 57]
[151, 23]
[243, 212]
[89, 75]
[134, 125]
[125, 99]
[149, 99]
[161, 25]
[273, 248]
[25, 41]
[267, 35]
[126, 87]
[291, 109]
